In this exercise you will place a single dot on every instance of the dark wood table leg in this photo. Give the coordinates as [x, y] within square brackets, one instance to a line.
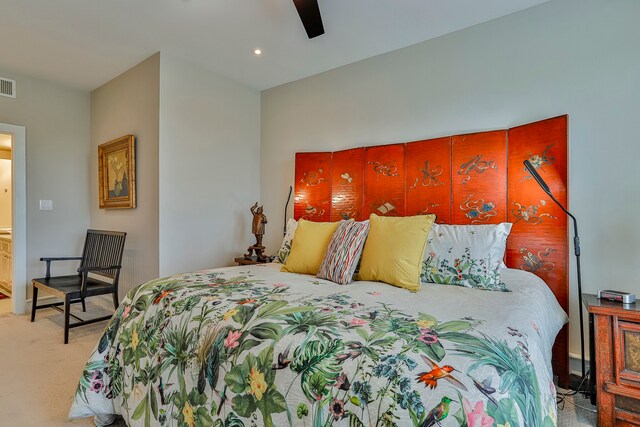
[34, 303]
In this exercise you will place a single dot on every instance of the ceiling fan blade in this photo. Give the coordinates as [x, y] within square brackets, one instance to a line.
[309, 12]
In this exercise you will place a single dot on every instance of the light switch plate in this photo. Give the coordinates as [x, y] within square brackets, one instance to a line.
[46, 205]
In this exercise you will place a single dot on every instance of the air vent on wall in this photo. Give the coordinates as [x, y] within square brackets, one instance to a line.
[7, 87]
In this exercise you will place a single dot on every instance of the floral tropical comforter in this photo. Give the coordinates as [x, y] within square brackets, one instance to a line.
[251, 346]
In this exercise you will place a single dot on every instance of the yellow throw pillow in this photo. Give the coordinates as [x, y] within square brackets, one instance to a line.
[394, 249]
[309, 246]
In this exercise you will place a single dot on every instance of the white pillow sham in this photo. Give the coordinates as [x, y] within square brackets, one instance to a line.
[466, 255]
[285, 248]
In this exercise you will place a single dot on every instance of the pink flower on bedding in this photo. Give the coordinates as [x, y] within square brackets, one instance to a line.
[126, 311]
[375, 294]
[232, 339]
[279, 285]
[476, 417]
[428, 336]
[358, 322]
[96, 386]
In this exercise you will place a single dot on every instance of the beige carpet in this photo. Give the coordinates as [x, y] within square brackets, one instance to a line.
[38, 373]
[576, 411]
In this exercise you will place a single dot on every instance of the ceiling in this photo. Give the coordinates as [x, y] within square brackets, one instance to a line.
[85, 43]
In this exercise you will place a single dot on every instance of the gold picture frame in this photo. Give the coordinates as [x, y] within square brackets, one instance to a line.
[117, 173]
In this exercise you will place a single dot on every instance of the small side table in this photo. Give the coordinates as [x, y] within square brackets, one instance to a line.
[614, 344]
[243, 261]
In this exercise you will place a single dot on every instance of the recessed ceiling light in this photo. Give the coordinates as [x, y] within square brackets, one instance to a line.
[257, 52]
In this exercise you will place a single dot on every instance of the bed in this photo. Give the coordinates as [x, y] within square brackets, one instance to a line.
[245, 346]
[250, 346]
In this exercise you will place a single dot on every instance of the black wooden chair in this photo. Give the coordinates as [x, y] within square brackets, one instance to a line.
[101, 256]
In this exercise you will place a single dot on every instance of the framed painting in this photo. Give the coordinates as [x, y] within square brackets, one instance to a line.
[117, 173]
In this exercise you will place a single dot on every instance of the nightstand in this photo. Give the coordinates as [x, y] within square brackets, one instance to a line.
[615, 349]
[244, 261]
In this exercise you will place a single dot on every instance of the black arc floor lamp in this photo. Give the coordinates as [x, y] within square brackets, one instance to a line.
[284, 230]
[576, 248]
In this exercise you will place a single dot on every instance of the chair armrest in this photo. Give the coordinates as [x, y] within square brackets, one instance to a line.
[67, 258]
[49, 259]
[90, 269]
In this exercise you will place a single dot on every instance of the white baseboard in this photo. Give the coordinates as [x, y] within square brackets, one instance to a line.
[41, 301]
[104, 301]
[575, 364]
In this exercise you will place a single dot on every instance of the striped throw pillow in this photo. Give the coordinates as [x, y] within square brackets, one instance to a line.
[343, 253]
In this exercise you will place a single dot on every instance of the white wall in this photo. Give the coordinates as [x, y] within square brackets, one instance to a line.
[5, 192]
[197, 165]
[57, 134]
[129, 104]
[209, 167]
[578, 57]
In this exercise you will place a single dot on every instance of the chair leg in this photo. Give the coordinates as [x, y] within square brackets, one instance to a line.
[34, 303]
[84, 307]
[67, 309]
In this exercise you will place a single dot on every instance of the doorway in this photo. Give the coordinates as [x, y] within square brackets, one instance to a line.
[6, 199]
[13, 221]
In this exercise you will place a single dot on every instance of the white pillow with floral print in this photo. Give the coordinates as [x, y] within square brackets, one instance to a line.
[285, 249]
[466, 255]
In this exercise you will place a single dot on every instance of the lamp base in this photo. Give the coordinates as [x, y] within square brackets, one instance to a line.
[575, 381]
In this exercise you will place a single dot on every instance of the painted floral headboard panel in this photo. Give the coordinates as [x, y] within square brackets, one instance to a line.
[475, 178]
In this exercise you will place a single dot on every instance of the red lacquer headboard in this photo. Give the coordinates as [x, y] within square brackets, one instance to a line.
[476, 178]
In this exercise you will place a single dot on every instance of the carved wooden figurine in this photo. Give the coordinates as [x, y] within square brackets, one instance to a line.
[257, 228]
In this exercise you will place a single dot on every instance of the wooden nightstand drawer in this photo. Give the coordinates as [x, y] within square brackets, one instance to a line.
[627, 336]
[616, 365]
[628, 404]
